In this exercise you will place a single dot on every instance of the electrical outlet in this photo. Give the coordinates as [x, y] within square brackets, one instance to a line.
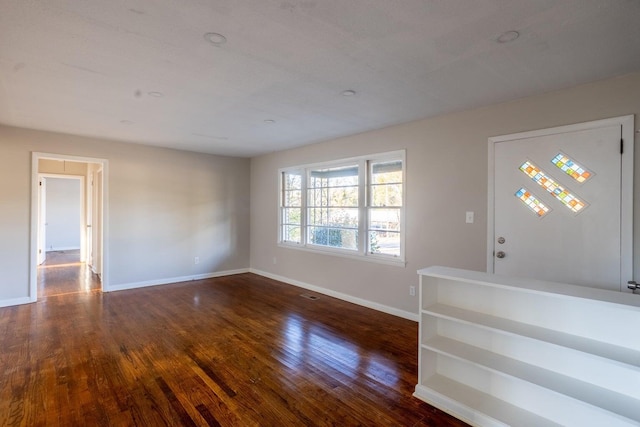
[469, 218]
[412, 291]
[196, 260]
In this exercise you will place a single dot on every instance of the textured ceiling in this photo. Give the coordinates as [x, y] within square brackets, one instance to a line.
[87, 67]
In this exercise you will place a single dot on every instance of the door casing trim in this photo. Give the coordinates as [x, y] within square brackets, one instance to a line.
[33, 250]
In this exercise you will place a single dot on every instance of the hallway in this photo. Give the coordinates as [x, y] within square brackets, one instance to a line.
[63, 273]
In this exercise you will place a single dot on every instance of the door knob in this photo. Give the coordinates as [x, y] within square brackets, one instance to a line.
[500, 254]
[631, 284]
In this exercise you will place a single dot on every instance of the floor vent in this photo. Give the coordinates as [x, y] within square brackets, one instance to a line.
[309, 296]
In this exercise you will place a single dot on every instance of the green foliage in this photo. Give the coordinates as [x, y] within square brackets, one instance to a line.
[374, 246]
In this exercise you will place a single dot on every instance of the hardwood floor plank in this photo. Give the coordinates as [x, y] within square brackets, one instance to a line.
[210, 419]
[184, 417]
[232, 351]
[210, 373]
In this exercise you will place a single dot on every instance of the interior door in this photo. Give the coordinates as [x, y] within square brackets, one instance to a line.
[557, 207]
[97, 223]
[42, 220]
[89, 218]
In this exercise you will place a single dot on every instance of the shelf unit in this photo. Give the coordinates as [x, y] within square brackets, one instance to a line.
[499, 351]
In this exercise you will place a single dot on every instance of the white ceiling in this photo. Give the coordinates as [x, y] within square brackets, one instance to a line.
[87, 67]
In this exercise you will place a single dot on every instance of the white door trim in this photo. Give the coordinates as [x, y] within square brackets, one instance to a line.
[626, 219]
[33, 262]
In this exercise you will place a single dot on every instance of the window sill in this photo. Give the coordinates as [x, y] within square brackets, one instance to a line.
[397, 262]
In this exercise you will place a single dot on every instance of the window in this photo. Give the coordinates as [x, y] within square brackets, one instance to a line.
[385, 207]
[333, 207]
[352, 207]
[291, 207]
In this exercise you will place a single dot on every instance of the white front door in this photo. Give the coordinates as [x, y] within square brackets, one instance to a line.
[558, 207]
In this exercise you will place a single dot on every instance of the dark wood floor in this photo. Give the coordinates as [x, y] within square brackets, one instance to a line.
[235, 351]
[63, 273]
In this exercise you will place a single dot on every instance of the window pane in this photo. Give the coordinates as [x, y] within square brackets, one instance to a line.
[384, 219]
[333, 213]
[333, 237]
[292, 180]
[333, 197]
[291, 216]
[291, 208]
[334, 177]
[293, 198]
[386, 183]
[316, 198]
[343, 196]
[386, 195]
[385, 207]
[291, 233]
[337, 217]
[291, 188]
[386, 172]
[384, 242]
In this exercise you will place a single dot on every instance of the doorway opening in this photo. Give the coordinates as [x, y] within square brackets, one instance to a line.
[68, 225]
[62, 249]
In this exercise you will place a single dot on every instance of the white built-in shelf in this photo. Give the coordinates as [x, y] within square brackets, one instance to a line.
[534, 286]
[553, 381]
[475, 407]
[609, 352]
[499, 351]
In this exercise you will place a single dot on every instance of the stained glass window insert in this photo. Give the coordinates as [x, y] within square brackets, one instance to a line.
[546, 182]
[532, 202]
[571, 168]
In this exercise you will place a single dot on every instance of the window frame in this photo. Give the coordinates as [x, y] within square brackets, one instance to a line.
[364, 196]
[282, 206]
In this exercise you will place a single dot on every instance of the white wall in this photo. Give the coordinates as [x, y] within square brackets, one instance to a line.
[165, 208]
[62, 214]
[446, 176]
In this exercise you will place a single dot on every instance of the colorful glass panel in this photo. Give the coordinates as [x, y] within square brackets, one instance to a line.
[546, 182]
[532, 202]
[571, 168]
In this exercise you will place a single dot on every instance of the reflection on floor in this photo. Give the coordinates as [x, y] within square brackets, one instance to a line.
[238, 350]
[63, 273]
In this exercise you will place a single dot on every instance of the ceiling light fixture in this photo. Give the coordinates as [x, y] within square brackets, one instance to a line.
[508, 36]
[348, 92]
[156, 94]
[269, 121]
[215, 39]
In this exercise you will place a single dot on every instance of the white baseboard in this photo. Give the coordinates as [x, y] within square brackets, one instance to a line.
[16, 301]
[157, 282]
[167, 281]
[345, 297]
